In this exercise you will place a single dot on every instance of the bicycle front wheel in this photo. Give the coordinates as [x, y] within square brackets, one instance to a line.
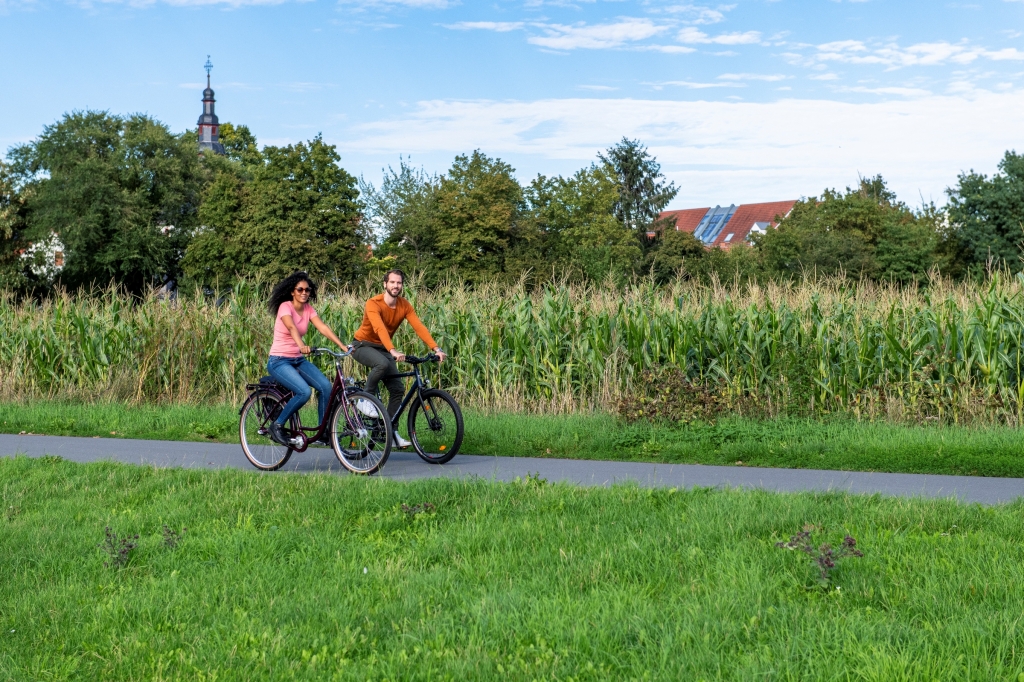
[261, 408]
[361, 433]
[435, 426]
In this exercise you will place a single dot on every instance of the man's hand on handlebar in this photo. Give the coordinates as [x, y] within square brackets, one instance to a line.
[441, 355]
[398, 355]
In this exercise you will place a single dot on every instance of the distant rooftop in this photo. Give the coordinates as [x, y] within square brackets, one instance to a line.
[724, 226]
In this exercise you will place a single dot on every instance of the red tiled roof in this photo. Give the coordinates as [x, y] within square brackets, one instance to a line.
[686, 219]
[745, 217]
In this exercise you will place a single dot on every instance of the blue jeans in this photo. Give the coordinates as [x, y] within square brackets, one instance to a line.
[298, 375]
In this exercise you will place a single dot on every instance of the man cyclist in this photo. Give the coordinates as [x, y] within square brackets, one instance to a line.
[373, 347]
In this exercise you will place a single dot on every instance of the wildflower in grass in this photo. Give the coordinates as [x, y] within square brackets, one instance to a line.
[118, 549]
[825, 556]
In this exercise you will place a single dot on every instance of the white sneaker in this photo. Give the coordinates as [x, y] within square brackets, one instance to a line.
[366, 407]
[401, 442]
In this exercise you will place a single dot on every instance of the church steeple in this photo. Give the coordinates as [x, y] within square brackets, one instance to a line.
[209, 138]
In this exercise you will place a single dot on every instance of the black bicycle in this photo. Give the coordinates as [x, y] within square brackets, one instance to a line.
[435, 420]
[355, 424]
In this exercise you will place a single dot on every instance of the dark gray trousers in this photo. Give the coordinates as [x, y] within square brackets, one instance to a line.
[382, 364]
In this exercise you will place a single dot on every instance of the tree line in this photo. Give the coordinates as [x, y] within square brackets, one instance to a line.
[131, 202]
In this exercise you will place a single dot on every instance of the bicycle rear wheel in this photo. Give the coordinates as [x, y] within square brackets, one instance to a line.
[361, 433]
[260, 408]
[435, 426]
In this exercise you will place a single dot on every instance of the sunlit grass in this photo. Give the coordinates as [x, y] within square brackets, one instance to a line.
[319, 577]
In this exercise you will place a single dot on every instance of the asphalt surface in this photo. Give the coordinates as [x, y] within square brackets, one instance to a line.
[405, 465]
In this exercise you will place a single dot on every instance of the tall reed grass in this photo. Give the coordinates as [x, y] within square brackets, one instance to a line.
[951, 352]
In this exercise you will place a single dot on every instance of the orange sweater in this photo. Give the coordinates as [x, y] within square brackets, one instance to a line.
[380, 322]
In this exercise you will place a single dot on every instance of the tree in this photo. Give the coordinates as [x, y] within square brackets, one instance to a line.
[864, 232]
[675, 252]
[987, 215]
[299, 210]
[582, 233]
[13, 274]
[402, 213]
[239, 144]
[643, 192]
[481, 232]
[120, 193]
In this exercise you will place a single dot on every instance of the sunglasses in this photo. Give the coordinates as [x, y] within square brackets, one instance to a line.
[302, 290]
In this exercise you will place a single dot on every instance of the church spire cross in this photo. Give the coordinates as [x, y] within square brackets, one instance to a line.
[209, 67]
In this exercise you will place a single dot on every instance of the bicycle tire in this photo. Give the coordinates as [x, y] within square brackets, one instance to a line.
[362, 443]
[259, 409]
[432, 434]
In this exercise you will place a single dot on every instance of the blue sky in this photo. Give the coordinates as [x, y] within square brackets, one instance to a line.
[749, 101]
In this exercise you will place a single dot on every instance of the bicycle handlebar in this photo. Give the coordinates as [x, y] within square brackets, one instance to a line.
[328, 351]
[413, 360]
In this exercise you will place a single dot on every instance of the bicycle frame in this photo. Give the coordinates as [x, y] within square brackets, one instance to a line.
[337, 395]
[416, 390]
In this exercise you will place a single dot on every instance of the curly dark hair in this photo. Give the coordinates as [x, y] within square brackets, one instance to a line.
[283, 291]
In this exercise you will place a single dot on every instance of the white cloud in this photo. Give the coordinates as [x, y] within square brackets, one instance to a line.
[667, 49]
[595, 37]
[894, 56]
[415, 4]
[696, 14]
[722, 152]
[498, 26]
[824, 77]
[694, 85]
[693, 35]
[88, 4]
[1007, 53]
[753, 77]
[888, 90]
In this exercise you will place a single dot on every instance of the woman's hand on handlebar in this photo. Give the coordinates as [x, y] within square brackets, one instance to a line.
[305, 350]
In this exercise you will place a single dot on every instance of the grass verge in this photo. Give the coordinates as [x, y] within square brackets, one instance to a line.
[792, 443]
[324, 577]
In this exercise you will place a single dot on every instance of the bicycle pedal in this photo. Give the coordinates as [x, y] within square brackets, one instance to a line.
[296, 442]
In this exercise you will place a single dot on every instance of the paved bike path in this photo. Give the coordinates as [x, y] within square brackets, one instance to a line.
[405, 465]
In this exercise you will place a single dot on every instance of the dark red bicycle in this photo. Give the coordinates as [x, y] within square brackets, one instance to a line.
[355, 423]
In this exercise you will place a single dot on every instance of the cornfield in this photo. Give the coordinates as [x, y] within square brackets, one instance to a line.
[946, 353]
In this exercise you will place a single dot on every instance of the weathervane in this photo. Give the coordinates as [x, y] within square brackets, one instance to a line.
[209, 67]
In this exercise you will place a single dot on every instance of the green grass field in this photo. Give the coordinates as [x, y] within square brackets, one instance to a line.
[323, 577]
[842, 444]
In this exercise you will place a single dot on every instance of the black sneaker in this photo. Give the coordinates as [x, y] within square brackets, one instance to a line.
[276, 435]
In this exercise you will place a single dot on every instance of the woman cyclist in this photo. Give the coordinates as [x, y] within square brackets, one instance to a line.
[290, 302]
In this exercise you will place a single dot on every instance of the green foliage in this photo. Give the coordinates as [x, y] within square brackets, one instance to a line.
[480, 228]
[111, 188]
[951, 354]
[577, 216]
[469, 222]
[403, 214]
[643, 192]
[240, 144]
[297, 210]
[675, 253]
[502, 581]
[988, 215]
[13, 275]
[865, 232]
